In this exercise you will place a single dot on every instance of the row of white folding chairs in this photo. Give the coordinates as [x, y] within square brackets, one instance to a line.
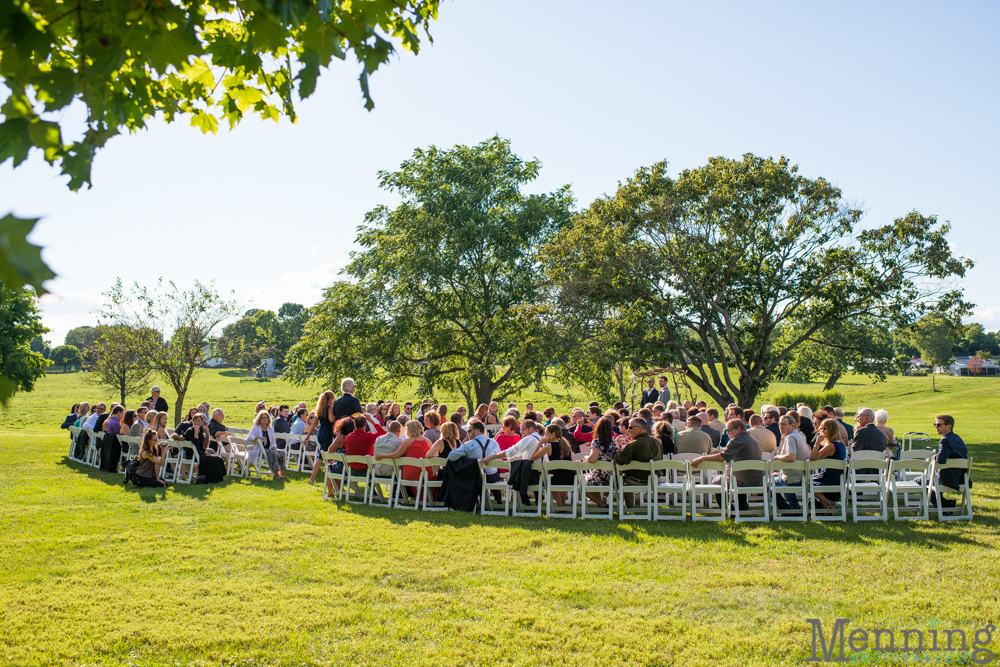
[674, 488]
[91, 454]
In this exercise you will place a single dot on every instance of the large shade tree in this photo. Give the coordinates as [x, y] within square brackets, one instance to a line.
[717, 263]
[444, 287]
[20, 322]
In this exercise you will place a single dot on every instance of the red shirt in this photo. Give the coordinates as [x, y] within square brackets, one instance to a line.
[507, 441]
[361, 443]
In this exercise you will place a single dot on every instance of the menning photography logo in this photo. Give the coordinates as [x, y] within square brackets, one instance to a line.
[933, 644]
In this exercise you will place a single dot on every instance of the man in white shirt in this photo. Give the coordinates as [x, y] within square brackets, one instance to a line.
[793, 448]
[92, 419]
[524, 447]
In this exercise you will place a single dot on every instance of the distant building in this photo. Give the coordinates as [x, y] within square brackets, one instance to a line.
[960, 368]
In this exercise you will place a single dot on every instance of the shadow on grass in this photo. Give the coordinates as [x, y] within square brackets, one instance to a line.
[927, 534]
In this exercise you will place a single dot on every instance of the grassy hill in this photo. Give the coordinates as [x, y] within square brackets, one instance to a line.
[265, 573]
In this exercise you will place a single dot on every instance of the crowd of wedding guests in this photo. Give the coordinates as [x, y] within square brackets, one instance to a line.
[388, 430]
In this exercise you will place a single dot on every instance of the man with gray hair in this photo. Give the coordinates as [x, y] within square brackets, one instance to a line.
[867, 437]
[838, 414]
[215, 426]
[347, 405]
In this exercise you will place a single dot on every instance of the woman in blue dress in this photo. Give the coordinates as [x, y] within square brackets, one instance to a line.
[828, 446]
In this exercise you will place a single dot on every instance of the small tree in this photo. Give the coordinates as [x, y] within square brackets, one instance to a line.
[903, 363]
[122, 360]
[65, 356]
[985, 355]
[975, 366]
[934, 336]
[186, 320]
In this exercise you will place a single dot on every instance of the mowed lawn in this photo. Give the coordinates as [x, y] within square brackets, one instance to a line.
[266, 573]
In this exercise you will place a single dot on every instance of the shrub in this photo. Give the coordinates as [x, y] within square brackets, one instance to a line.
[790, 399]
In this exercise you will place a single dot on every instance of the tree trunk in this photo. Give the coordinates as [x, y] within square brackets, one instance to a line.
[179, 406]
[832, 381]
[484, 394]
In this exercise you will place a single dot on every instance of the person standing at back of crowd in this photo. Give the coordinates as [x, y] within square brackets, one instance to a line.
[347, 405]
[157, 402]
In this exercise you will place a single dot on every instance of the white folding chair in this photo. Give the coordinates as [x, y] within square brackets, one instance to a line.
[403, 499]
[962, 510]
[187, 458]
[531, 508]
[171, 460]
[735, 491]
[377, 482]
[493, 429]
[220, 447]
[310, 452]
[130, 448]
[822, 514]
[239, 461]
[294, 451]
[607, 489]
[74, 433]
[863, 483]
[915, 440]
[350, 489]
[429, 466]
[802, 488]
[670, 480]
[486, 497]
[637, 510]
[552, 509]
[92, 457]
[767, 456]
[899, 483]
[709, 489]
[334, 479]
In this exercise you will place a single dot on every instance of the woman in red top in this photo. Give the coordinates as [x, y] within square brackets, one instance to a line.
[507, 438]
[361, 442]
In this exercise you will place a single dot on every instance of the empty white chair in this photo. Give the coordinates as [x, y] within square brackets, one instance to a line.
[669, 479]
[486, 499]
[334, 480]
[377, 482]
[533, 507]
[752, 514]
[899, 483]
[822, 514]
[767, 456]
[403, 499]
[863, 483]
[607, 489]
[637, 510]
[963, 509]
[552, 509]
[350, 489]
[294, 452]
[171, 460]
[915, 440]
[74, 433]
[92, 457]
[256, 461]
[432, 502]
[239, 461]
[802, 488]
[709, 489]
[310, 452]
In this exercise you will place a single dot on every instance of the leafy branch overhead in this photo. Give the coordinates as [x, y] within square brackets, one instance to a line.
[212, 60]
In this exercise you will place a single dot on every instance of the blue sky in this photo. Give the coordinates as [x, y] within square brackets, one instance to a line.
[894, 102]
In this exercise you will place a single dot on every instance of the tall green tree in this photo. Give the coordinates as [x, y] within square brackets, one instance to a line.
[40, 345]
[204, 60]
[20, 323]
[718, 261]
[444, 288]
[184, 322]
[934, 335]
[66, 356]
[861, 345]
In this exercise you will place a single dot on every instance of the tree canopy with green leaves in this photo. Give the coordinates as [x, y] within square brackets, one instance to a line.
[859, 345]
[262, 333]
[66, 356]
[934, 335]
[129, 61]
[444, 288]
[714, 265]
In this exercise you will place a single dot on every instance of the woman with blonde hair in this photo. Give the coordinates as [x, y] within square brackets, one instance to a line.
[481, 413]
[260, 406]
[449, 440]
[416, 446]
[161, 426]
[264, 433]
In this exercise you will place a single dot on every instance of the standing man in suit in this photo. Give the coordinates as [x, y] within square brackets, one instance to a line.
[664, 390]
[347, 405]
[650, 395]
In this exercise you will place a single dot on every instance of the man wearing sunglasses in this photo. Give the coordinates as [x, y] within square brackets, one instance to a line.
[741, 447]
[950, 447]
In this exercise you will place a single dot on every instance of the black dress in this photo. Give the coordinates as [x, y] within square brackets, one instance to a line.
[561, 477]
[212, 467]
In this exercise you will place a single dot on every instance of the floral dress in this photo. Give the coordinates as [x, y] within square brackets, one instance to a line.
[607, 453]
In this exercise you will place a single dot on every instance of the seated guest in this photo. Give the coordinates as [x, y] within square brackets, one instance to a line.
[264, 433]
[150, 460]
[741, 447]
[72, 417]
[432, 422]
[216, 428]
[100, 416]
[114, 423]
[82, 414]
[867, 437]
[664, 432]
[603, 448]
[771, 418]
[457, 419]
[415, 446]
[793, 448]
[828, 446]
[140, 416]
[714, 421]
[446, 443]
[132, 423]
[281, 424]
[361, 442]
[574, 444]
[805, 422]
[160, 426]
[302, 421]
[763, 436]
[950, 447]
[213, 468]
[507, 438]
[715, 436]
[554, 445]
[524, 447]
[386, 445]
[881, 417]
[839, 415]
[678, 419]
[643, 447]
[693, 440]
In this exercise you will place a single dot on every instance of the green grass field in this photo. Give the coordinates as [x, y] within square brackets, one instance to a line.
[266, 573]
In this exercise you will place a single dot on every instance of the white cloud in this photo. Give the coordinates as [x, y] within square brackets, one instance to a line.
[305, 287]
[988, 317]
[62, 311]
